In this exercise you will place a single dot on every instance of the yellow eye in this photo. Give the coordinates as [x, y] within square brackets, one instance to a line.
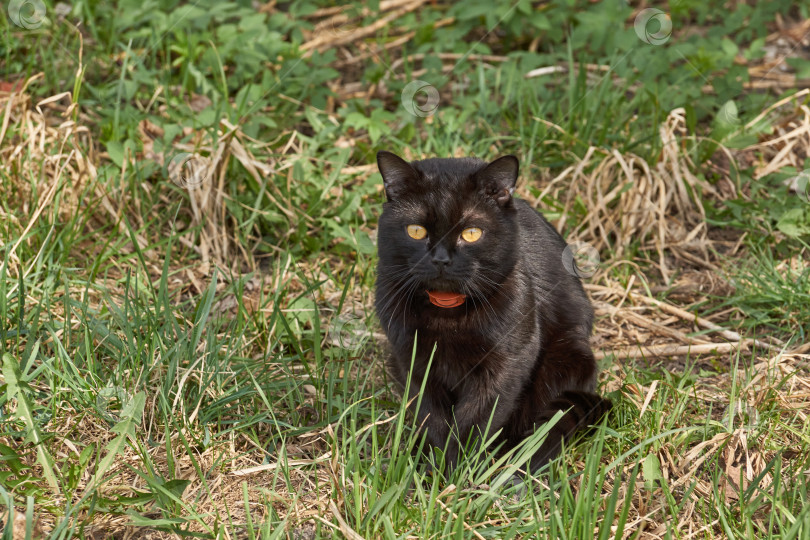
[471, 234]
[417, 232]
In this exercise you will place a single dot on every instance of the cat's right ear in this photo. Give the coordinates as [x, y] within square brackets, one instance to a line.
[396, 172]
[499, 178]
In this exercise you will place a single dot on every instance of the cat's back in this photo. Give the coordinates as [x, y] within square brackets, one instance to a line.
[559, 294]
[536, 233]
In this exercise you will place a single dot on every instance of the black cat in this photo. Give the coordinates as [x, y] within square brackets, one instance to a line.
[479, 274]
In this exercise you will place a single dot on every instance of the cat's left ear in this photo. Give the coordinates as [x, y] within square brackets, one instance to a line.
[499, 178]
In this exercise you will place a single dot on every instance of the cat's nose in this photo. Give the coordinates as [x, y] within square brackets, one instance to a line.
[441, 257]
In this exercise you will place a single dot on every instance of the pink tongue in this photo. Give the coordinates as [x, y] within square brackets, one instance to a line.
[446, 299]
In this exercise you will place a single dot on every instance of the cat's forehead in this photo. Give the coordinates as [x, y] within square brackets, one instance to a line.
[448, 170]
[444, 207]
[448, 182]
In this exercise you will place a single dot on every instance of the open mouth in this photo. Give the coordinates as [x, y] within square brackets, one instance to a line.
[445, 299]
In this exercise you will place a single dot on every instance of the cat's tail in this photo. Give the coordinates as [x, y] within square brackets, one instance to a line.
[581, 410]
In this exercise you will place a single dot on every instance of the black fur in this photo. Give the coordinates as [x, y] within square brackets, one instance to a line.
[521, 338]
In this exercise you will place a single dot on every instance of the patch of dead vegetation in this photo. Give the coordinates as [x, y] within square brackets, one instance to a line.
[717, 471]
[47, 155]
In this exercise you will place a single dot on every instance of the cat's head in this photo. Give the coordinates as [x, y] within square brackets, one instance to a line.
[448, 232]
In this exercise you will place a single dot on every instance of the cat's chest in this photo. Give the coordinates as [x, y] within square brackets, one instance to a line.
[456, 347]
[457, 354]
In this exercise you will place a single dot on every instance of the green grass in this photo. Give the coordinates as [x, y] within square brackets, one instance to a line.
[207, 363]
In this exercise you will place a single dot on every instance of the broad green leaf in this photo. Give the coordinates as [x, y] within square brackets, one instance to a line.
[130, 419]
[794, 222]
[17, 389]
[651, 471]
